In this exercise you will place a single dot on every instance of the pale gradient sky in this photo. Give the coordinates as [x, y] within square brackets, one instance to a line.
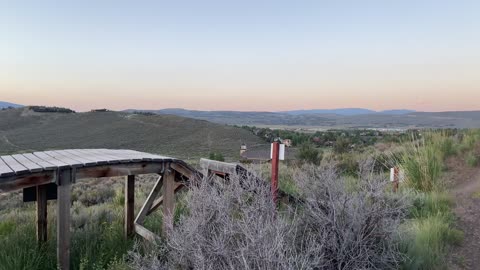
[241, 55]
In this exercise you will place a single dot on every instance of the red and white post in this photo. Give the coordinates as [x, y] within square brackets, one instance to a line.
[395, 178]
[275, 162]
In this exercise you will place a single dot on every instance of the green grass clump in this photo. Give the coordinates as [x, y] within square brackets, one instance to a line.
[423, 166]
[425, 241]
[431, 204]
[469, 139]
[472, 159]
[18, 247]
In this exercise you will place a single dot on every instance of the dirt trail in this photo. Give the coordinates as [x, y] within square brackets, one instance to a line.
[465, 182]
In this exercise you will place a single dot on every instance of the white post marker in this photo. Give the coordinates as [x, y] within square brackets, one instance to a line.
[281, 154]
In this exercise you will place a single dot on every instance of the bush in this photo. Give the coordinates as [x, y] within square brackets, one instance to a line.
[472, 159]
[336, 225]
[355, 222]
[341, 145]
[309, 154]
[216, 156]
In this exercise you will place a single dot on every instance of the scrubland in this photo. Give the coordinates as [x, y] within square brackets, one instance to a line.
[344, 216]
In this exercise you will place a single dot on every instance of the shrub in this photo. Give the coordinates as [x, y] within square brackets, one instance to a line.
[472, 159]
[341, 145]
[355, 222]
[216, 156]
[309, 154]
[235, 225]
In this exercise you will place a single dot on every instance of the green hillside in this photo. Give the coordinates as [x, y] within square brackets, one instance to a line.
[24, 130]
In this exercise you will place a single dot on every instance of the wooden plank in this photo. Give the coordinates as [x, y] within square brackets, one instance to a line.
[108, 157]
[27, 163]
[145, 233]
[181, 169]
[148, 156]
[41, 214]
[44, 164]
[99, 160]
[51, 160]
[16, 182]
[4, 169]
[87, 161]
[218, 166]
[121, 169]
[121, 154]
[129, 205]
[168, 200]
[158, 202]
[14, 165]
[66, 159]
[63, 219]
[148, 203]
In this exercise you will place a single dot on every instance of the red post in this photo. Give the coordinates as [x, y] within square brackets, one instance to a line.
[275, 157]
[396, 179]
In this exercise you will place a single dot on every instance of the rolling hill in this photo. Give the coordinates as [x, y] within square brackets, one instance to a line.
[24, 130]
[4, 104]
[391, 119]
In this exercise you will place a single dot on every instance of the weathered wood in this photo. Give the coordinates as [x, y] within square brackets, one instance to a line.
[129, 205]
[218, 166]
[183, 170]
[86, 161]
[146, 234]
[51, 160]
[4, 169]
[168, 200]
[63, 219]
[15, 182]
[97, 160]
[41, 214]
[121, 169]
[14, 165]
[148, 203]
[44, 164]
[158, 202]
[62, 167]
[31, 166]
[65, 159]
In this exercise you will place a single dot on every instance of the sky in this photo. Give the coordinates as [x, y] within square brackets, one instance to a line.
[241, 55]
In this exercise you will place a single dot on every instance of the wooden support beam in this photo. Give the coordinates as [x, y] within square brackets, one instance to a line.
[129, 205]
[66, 177]
[168, 200]
[41, 214]
[148, 203]
[145, 233]
[159, 201]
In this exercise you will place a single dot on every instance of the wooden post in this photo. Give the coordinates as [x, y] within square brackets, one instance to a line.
[394, 177]
[168, 200]
[275, 158]
[41, 214]
[65, 180]
[129, 206]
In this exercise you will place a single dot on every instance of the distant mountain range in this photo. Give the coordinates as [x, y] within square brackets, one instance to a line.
[348, 111]
[4, 104]
[337, 118]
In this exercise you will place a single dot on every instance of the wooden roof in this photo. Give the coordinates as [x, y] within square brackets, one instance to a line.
[34, 168]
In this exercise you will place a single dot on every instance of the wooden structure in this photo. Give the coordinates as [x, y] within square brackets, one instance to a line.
[49, 175]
